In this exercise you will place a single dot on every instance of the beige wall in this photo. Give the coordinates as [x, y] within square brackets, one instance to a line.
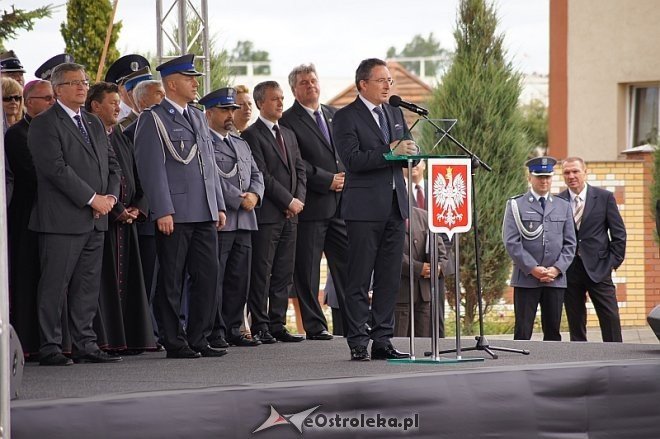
[611, 43]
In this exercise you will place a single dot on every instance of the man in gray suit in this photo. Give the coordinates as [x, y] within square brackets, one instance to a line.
[243, 190]
[539, 236]
[78, 179]
[174, 156]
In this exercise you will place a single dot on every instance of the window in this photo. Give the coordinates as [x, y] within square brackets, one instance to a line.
[644, 115]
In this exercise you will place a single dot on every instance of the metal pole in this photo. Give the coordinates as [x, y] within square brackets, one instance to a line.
[183, 37]
[457, 288]
[206, 48]
[4, 303]
[411, 271]
[432, 239]
[159, 30]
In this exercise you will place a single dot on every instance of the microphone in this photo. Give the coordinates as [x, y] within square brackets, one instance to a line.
[396, 101]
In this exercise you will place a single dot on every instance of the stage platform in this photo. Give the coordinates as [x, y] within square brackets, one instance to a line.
[561, 390]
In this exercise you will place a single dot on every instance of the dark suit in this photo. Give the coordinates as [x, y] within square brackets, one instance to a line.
[192, 194]
[320, 229]
[238, 174]
[422, 286]
[601, 248]
[69, 172]
[374, 215]
[274, 244]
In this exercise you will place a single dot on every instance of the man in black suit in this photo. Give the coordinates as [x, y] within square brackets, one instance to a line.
[601, 237]
[77, 185]
[277, 156]
[320, 229]
[374, 206]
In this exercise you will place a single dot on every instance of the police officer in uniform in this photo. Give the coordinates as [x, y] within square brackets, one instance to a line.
[539, 236]
[174, 156]
[128, 66]
[243, 190]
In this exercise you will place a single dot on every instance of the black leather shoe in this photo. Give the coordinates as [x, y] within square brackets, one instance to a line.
[242, 340]
[388, 353]
[264, 336]
[219, 343]
[184, 352]
[323, 335]
[97, 357]
[55, 359]
[208, 351]
[359, 353]
[286, 337]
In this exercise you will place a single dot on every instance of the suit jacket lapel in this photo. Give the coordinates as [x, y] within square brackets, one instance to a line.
[534, 204]
[589, 203]
[390, 122]
[88, 126]
[71, 126]
[366, 115]
[270, 138]
[307, 120]
[222, 145]
[549, 206]
[178, 117]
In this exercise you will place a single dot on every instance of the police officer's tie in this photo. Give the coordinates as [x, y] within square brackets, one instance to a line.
[578, 211]
[187, 117]
[542, 201]
[82, 128]
[382, 121]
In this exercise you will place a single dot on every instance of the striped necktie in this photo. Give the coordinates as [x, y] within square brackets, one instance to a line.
[578, 211]
[382, 121]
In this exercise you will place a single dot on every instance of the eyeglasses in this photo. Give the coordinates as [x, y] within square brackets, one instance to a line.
[12, 98]
[382, 81]
[76, 83]
[45, 98]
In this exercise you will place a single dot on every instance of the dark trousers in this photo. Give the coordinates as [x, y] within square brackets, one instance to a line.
[525, 303]
[602, 295]
[273, 255]
[423, 321]
[315, 238]
[374, 246]
[149, 261]
[195, 246]
[235, 258]
[71, 268]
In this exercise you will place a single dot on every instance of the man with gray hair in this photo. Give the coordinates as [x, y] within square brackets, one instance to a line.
[145, 94]
[320, 229]
[276, 153]
[78, 180]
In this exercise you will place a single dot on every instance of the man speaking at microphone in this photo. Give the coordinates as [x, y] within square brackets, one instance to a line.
[374, 206]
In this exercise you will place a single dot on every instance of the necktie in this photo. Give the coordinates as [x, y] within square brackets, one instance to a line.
[577, 211]
[421, 201]
[542, 201]
[187, 117]
[229, 144]
[82, 128]
[321, 123]
[280, 140]
[382, 121]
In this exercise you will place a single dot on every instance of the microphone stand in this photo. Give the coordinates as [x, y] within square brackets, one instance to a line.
[482, 343]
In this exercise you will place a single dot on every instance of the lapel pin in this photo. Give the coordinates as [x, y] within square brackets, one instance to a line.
[171, 110]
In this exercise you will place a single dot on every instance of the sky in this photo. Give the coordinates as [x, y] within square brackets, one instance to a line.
[334, 35]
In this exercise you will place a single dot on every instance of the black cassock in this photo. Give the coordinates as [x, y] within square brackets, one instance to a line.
[124, 320]
[24, 265]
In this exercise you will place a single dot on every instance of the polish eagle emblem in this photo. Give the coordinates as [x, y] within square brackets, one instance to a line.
[449, 194]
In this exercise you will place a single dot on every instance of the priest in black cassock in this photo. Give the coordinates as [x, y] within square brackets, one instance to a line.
[123, 322]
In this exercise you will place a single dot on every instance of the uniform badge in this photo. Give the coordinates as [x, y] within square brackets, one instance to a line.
[171, 110]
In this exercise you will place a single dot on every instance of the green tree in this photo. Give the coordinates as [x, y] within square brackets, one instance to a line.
[16, 19]
[535, 121]
[420, 46]
[84, 33]
[244, 51]
[481, 90]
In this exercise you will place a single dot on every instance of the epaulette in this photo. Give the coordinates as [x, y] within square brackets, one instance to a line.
[194, 105]
[234, 135]
[516, 196]
[151, 108]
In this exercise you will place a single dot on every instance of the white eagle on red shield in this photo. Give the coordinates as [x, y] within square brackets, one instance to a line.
[449, 194]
